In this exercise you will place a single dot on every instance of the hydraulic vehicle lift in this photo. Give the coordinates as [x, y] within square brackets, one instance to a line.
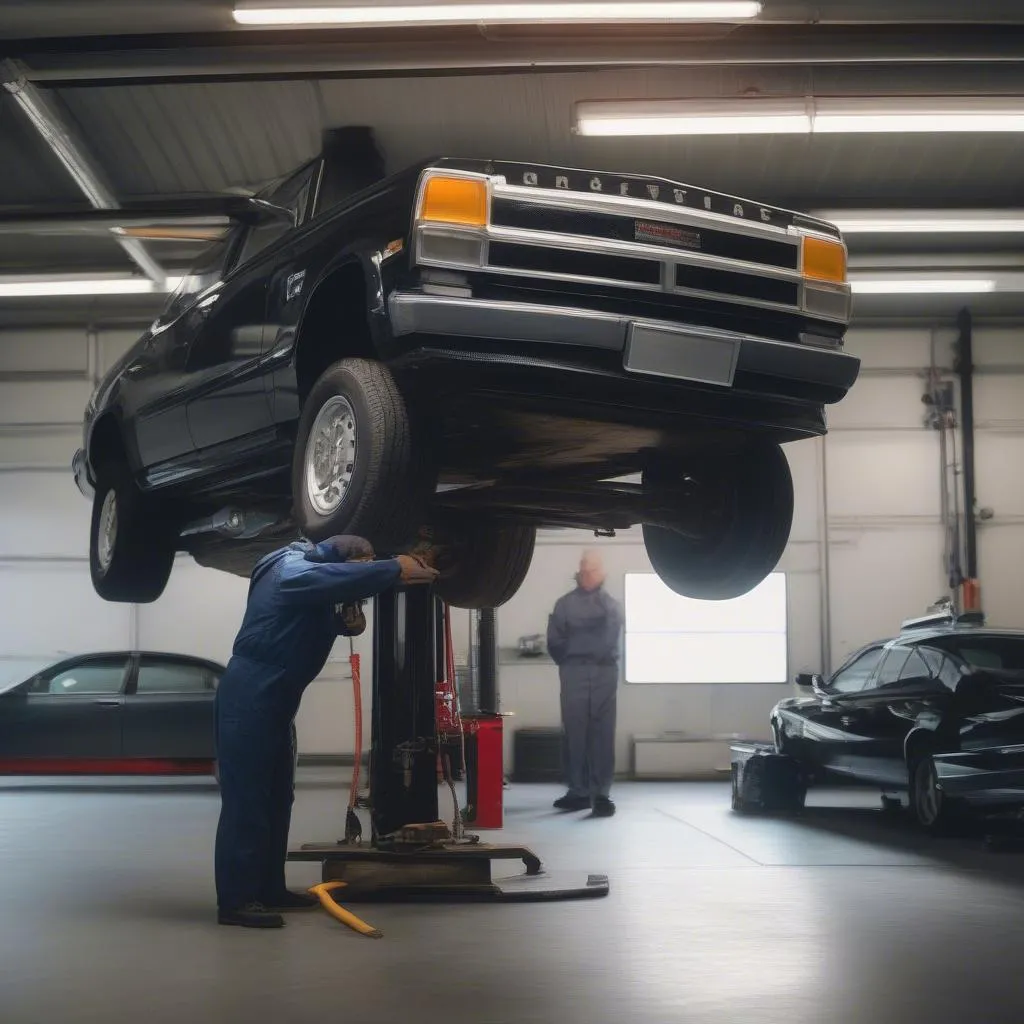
[411, 854]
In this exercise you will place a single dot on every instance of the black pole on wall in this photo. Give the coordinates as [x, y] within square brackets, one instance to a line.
[965, 368]
[488, 663]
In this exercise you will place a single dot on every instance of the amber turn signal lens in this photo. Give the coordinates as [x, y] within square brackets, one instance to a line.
[824, 260]
[455, 201]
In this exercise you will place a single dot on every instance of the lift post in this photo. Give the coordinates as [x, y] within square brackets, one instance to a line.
[412, 855]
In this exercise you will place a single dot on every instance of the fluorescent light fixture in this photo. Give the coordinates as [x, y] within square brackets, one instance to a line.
[53, 287]
[800, 116]
[526, 13]
[921, 285]
[925, 222]
[697, 117]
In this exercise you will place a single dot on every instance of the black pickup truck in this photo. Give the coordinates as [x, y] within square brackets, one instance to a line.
[465, 352]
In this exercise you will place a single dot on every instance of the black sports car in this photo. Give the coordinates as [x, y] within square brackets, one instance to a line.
[120, 713]
[935, 715]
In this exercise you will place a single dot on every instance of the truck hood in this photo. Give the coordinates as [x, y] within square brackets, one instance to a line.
[656, 191]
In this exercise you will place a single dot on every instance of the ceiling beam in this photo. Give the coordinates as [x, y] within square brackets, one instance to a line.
[51, 126]
[295, 55]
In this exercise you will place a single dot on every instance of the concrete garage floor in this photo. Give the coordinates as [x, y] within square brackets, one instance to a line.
[106, 915]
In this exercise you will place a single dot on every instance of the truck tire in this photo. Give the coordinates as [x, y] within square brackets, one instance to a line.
[484, 565]
[131, 539]
[356, 467]
[757, 520]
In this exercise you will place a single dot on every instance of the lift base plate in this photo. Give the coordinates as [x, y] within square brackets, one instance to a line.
[448, 872]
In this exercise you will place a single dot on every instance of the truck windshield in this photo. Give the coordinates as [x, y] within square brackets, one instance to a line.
[1004, 653]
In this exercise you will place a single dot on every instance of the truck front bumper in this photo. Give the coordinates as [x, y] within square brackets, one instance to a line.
[654, 348]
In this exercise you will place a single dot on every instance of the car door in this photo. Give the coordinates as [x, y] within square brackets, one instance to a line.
[826, 737]
[66, 718]
[156, 379]
[876, 722]
[169, 709]
[229, 402]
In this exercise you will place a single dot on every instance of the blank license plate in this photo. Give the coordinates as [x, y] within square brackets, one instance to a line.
[683, 355]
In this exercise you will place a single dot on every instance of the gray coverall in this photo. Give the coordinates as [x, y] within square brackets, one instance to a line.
[583, 640]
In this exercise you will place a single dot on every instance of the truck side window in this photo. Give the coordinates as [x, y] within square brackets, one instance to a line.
[207, 271]
[293, 194]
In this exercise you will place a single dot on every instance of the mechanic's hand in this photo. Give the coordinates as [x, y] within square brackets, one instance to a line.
[415, 570]
[426, 553]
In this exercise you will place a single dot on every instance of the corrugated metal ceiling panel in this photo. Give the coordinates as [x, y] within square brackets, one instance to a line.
[189, 138]
[29, 172]
[197, 138]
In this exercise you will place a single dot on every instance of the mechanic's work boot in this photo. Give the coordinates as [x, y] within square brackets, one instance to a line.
[572, 803]
[252, 915]
[287, 901]
[603, 807]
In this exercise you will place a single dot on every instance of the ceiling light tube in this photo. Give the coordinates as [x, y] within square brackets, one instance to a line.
[525, 13]
[810, 115]
[929, 114]
[925, 222]
[692, 117]
[921, 285]
[52, 287]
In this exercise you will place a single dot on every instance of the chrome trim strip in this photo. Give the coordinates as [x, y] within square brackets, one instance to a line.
[412, 313]
[664, 287]
[628, 206]
[642, 250]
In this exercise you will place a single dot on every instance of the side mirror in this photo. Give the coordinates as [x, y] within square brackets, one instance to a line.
[265, 208]
[811, 681]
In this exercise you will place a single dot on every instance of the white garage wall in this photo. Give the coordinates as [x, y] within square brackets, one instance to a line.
[878, 474]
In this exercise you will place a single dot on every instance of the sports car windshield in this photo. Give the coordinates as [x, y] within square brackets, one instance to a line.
[1004, 653]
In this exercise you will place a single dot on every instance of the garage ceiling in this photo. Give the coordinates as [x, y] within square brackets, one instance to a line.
[175, 100]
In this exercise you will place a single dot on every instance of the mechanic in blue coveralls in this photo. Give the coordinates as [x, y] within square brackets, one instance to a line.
[583, 641]
[292, 619]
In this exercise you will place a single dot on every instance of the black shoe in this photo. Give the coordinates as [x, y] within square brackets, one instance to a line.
[286, 901]
[572, 803]
[252, 915]
[603, 807]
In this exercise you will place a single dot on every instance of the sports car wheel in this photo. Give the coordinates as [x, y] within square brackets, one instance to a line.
[132, 540]
[357, 467]
[932, 809]
[754, 527]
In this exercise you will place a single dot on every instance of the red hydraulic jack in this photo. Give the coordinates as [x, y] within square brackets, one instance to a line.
[411, 854]
[479, 737]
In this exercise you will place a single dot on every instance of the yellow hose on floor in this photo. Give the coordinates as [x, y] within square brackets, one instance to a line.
[323, 892]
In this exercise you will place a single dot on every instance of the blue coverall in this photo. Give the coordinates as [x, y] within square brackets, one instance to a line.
[583, 641]
[286, 637]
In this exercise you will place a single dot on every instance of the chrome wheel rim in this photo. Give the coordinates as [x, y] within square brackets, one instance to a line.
[107, 539]
[929, 796]
[331, 455]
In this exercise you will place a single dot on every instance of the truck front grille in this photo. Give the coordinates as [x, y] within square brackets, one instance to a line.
[561, 262]
[516, 213]
[601, 239]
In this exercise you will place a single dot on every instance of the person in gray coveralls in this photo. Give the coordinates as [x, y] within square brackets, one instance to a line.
[583, 641]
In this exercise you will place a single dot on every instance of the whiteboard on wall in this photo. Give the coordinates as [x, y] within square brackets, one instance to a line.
[675, 639]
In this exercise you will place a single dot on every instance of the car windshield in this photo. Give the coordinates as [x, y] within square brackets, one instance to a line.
[1002, 653]
[14, 671]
